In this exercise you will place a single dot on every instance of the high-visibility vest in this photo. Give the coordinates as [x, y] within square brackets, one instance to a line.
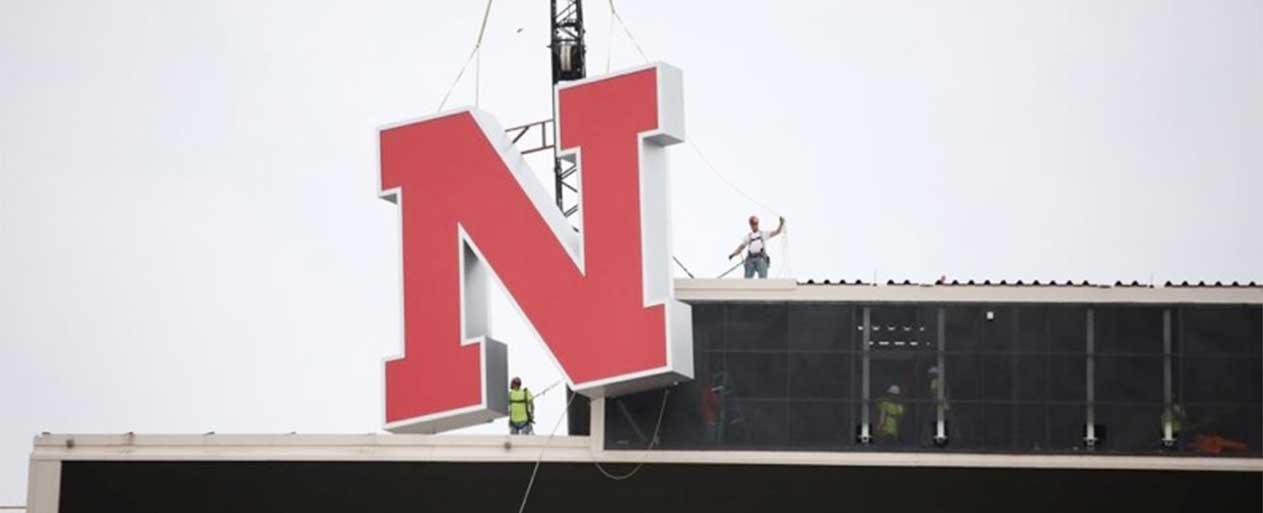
[521, 406]
[889, 424]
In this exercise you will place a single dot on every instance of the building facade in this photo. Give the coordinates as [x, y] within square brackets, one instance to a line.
[1028, 370]
[1027, 398]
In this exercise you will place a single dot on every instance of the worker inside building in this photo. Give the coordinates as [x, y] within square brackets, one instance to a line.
[889, 411]
[521, 409]
[755, 246]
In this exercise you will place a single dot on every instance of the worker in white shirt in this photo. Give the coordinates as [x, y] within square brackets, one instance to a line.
[755, 246]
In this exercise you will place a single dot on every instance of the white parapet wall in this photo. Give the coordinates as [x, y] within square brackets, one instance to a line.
[790, 290]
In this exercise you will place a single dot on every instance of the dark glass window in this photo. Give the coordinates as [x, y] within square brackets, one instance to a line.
[999, 329]
[1221, 330]
[776, 376]
[1066, 427]
[914, 424]
[821, 376]
[1032, 330]
[901, 370]
[1067, 378]
[1032, 378]
[1223, 379]
[962, 328]
[758, 423]
[1129, 379]
[824, 424]
[708, 326]
[997, 426]
[756, 326]
[997, 376]
[821, 327]
[965, 425]
[1129, 330]
[1223, 429]
[1067, 329]
[964, 376]
[1129, 428]
[1031, 434]
[757, 375]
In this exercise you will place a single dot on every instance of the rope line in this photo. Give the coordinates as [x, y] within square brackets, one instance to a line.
[681, 264]
[540, 459]
[652, 442]
[724, 179]
[614, 12]
[609, 40]
[482, 29]
[731, 269]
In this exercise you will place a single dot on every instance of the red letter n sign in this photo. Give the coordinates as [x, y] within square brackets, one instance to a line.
[472, 211]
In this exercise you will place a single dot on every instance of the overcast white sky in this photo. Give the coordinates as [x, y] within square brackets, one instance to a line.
[190, 237]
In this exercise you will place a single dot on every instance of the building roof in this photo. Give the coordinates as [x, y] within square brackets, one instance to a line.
[970, 291]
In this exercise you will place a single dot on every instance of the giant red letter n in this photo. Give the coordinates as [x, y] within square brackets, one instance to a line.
[472, 211]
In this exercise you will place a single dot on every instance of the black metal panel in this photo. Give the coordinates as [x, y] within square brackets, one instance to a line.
[340, 487]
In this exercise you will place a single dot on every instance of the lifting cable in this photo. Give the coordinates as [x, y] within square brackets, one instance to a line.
[473, 55]
[614, 14]
[681, 264]
[540, 459]
[789, 270]
[666, 392]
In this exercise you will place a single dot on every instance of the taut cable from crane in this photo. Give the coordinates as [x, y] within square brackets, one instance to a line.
[784, 234]
[473, 55]
[641, 51]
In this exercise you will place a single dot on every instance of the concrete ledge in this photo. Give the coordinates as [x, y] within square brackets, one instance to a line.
[490, 448]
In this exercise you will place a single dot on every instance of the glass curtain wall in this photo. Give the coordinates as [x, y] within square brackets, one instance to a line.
[1014, 378]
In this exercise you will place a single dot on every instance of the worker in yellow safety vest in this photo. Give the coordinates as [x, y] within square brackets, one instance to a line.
[521, 409]
[889, 411]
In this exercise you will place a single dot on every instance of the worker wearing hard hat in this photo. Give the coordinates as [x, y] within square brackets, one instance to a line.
[521, 409]
[755, 246]
[889, 412]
